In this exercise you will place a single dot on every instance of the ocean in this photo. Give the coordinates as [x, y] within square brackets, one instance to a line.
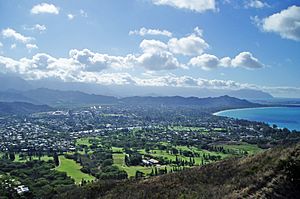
[288, 117]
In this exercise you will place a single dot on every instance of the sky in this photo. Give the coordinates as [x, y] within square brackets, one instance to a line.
[214, 44]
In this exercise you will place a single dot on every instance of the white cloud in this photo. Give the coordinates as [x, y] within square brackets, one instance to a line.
[194, 5]
[31, 46]
[255, 4]
[225, 62]
[156, 56]
[73, 69]
[198, 31]
[205, 61]
[158, 61]
[243, 60]
[40, 27]
[144, 31]
[246, 59]
[97, 62]
[152, 46]
[285, 23]
[37, 27]
[189, 82]
[45, 8]
[190, 45]
[70, 16]
[1, 44]
[11, 33]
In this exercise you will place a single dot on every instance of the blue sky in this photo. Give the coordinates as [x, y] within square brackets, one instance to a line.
[216, 44]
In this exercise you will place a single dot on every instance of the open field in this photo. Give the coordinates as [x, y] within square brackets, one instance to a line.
[117, 149]
[250, 148]
[187, 128]
[86, 141]
[73, 170]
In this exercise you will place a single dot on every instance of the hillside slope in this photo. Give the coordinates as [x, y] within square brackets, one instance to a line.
[272, 174]
[218, 103]
[22, 108]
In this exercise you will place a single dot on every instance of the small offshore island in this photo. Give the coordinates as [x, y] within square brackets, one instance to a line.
[283, 117]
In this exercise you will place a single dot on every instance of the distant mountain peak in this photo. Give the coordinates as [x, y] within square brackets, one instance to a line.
[250, 94]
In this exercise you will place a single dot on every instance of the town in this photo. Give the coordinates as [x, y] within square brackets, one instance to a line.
[114, 142]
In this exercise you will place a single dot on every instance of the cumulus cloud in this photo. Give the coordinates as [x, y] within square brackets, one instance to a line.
[144, 31]
[190, 45]
[255, 4]
[11, 33]
[74, 69]
[158, 61]
[246, 59]
[152, 46]
[45, 8]
[205, 61]
[208, 62]
[285, 23]
[97, 62]
[194, 5]
[156, 56]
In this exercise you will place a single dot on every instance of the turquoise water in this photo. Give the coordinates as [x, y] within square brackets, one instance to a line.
[288, 117]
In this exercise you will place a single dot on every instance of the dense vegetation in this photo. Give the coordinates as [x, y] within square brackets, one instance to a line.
[39, 176]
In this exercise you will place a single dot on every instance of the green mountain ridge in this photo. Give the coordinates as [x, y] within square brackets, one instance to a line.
[69, 98]
[20, 108]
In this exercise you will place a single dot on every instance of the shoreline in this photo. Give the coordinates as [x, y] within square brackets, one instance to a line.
[238, 109]
[279, 124]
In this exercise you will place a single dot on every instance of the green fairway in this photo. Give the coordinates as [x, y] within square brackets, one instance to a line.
[86, 141]
[131, 171]
[187, 128]
[117, 149]
[250, 148]
[119, 158]
[73, 170]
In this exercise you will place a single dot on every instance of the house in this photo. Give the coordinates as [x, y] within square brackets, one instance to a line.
[153, 161]
[22, 189]
[146, 162]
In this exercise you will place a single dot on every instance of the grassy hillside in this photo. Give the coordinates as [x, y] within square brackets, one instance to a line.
[274, 173]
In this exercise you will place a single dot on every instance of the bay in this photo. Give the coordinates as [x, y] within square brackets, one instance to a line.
[288, 117]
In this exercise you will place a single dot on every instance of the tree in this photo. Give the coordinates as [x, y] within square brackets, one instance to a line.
[56, 159]
[12, 156]
[139, 174]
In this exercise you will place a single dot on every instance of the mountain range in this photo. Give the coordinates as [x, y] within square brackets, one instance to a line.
[19, 84]
[20, 108]
[59, 98]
